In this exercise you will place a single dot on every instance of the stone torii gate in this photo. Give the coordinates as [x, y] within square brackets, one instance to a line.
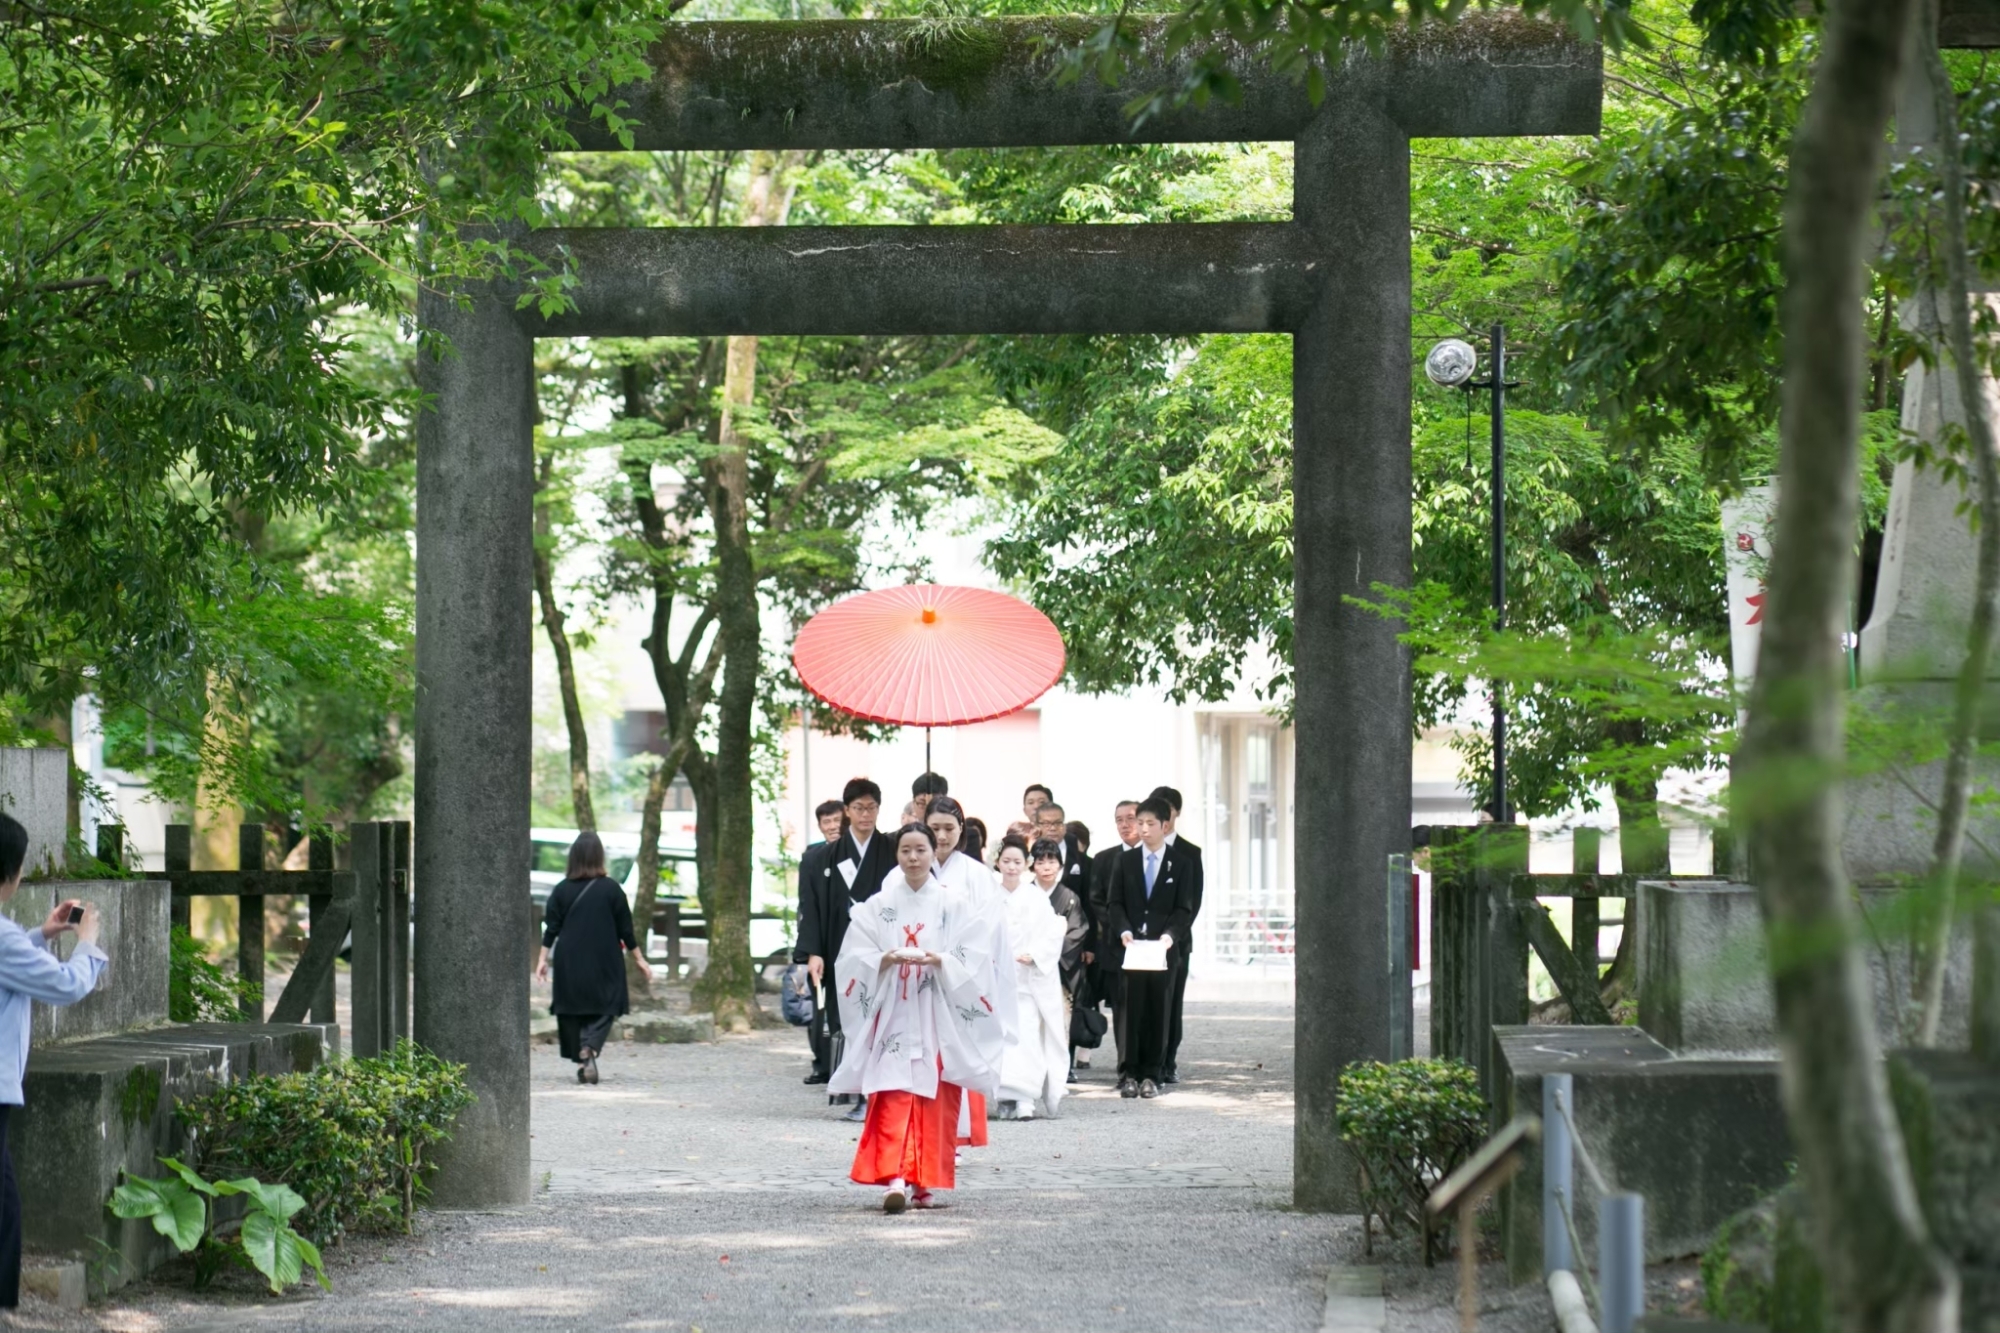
[1336, 278]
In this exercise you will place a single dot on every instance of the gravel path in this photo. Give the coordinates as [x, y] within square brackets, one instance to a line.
[704, 1188]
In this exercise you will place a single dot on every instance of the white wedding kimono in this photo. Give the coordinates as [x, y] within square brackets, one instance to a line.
[908, 1024]
[1036, 1067]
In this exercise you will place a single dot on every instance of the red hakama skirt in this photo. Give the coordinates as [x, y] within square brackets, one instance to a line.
[975, 1118]
[909, 1136]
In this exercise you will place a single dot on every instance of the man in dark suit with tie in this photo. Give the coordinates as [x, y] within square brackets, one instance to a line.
[1193, 853]
[831, 880]
[1126, 818]
[1149, 900]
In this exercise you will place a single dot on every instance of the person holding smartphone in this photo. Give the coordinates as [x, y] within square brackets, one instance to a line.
[29, 971]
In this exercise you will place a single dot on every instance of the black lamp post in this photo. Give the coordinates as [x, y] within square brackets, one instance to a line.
[1451, 364]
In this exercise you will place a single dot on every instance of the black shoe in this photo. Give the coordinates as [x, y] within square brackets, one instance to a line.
[1127, 1088]
[1148, 1088]
[816, 1078]
[1072, 1076]
[1170, 1078]
[858, 1114]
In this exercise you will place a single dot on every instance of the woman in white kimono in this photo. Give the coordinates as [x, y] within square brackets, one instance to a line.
[971, 883]
[915, 1011]
[1036, 1067]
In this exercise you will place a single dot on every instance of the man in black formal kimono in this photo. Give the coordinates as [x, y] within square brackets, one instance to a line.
[831, 881]
[1052, 825]
[1149, 900]
[1172, 797]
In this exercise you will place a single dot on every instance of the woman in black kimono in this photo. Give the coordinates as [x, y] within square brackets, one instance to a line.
[588, 913]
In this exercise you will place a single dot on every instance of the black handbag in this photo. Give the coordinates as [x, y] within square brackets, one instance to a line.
[1086, 1027]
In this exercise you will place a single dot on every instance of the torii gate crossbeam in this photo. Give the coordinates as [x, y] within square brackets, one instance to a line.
[1336, 277]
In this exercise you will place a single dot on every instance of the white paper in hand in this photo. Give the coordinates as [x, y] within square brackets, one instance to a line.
[1146, 956]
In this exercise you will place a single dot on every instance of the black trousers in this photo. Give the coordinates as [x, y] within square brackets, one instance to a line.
[1179, 974]
[577, 1032]
[10, 1223]
[1113, 991]
[825, 1025]
[1146, 1013]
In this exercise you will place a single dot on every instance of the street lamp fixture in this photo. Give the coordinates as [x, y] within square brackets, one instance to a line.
[1450, 365]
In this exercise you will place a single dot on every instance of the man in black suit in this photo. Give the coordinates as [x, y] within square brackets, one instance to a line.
[1103, 974]
[832, 820]
[831, 881]
[1149, 900]
[1173, 799]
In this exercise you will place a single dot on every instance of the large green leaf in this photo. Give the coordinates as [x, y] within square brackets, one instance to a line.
[280, 1201]
[278, 1252]
[177, 1212]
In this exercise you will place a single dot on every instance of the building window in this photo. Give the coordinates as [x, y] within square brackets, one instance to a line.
[1245, 783]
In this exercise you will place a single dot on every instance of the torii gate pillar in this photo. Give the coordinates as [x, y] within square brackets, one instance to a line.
[1337, 278]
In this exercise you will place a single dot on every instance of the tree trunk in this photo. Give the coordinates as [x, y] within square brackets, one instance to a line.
[728, 985]
[553, 623]
[1954, 800]
[648, 892]
[1642, 850]
[700, 771]
[1882, 1271]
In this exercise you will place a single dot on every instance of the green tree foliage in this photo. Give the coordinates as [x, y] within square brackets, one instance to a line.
[1637, 278]
[198, 197]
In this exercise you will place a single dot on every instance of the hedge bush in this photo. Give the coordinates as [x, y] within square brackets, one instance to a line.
[198, 989]
[349, 1136]
[1411, 1124]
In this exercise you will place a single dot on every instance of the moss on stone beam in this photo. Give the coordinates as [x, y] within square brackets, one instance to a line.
[941, 83]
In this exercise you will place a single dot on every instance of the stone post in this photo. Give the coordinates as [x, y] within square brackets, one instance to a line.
[1351, 522]
[475, 525]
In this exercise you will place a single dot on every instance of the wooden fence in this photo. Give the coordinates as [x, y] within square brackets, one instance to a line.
[1486, 918]
[369, 901]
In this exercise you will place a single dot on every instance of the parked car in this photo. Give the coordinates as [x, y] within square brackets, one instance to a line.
[770, 931]
[621, 856]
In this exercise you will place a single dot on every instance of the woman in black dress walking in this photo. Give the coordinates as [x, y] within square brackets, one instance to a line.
[588, 913]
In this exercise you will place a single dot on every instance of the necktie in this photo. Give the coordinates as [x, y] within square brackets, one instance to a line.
[1152, 869]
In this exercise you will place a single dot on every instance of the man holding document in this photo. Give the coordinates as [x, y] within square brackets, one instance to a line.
[1151, 910]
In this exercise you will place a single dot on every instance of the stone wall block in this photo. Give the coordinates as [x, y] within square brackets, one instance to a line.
[131, 994]
[1949, 1106]
[99, 1108]
[34, 788]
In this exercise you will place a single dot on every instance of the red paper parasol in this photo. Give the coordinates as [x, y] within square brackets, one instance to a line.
[928, 655]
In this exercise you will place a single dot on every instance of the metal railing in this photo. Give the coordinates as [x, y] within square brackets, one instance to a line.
[1619, 1289]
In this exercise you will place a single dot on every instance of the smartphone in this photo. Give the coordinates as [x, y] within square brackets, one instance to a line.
[75, 913]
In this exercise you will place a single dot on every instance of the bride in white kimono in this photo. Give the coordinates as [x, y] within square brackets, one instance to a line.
[1036, 1067]
[918, 1019]
[971, 885]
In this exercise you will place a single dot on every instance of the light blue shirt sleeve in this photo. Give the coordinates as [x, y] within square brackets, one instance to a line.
[28, 967]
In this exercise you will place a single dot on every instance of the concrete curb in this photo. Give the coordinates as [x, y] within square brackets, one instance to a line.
[63, 1284]
[1354, 1301]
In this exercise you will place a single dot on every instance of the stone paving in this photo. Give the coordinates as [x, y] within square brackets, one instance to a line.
[703, 1188]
